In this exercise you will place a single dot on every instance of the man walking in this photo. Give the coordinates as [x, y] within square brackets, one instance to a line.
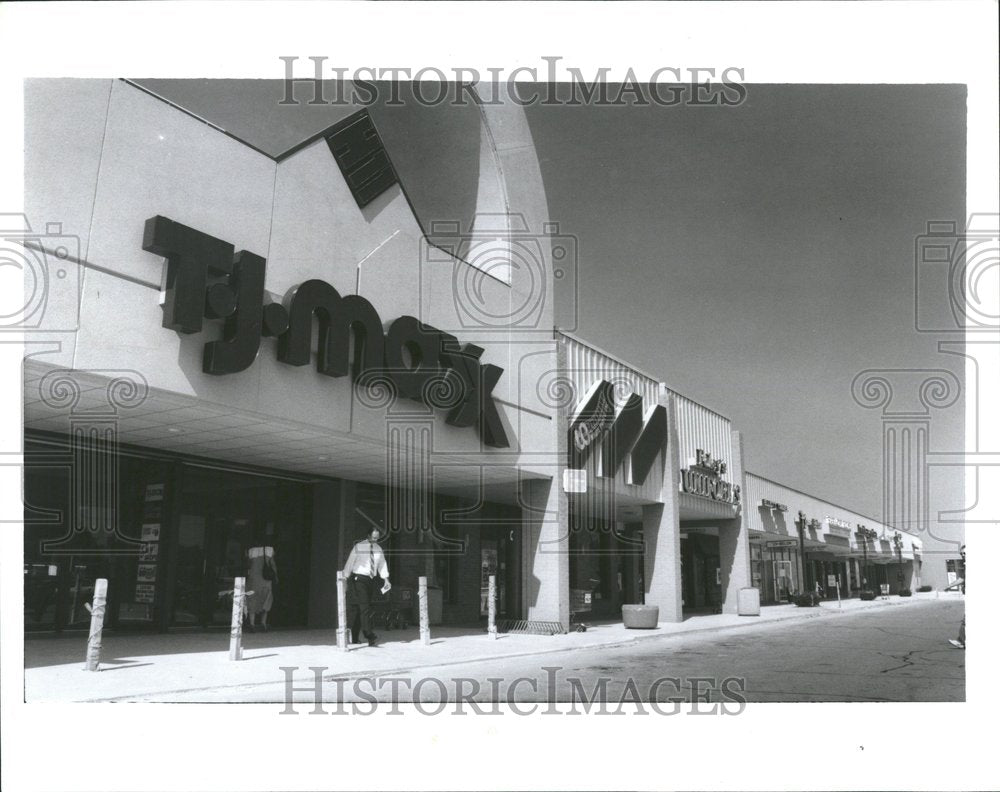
[365, 562]
[960, 643]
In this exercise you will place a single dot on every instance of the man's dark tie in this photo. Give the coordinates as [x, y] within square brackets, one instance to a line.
[371, 559]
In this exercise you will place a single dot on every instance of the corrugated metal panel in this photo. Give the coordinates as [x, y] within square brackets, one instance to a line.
[700, 427]
[584, 366]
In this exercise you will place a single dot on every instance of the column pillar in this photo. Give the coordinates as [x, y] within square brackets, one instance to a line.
[734, 539]
[546, 555]
[661, 529]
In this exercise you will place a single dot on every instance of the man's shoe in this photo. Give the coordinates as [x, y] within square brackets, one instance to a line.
[956, 644]
[372, 640]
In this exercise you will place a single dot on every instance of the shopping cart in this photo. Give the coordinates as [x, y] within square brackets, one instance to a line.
[393, 610]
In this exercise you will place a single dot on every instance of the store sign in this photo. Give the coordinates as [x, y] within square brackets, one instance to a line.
[592, 418]
[772, 505]
[704, 478]
[207, 279]
[838, 527]
[782, 543]
[623, 433]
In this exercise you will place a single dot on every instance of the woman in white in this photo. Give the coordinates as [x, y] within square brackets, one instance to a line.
[260, 601]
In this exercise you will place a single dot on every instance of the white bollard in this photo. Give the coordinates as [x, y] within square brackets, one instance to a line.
[491, 625]
[341, 611]
[236, 626]
[96, 624]
[425, 625]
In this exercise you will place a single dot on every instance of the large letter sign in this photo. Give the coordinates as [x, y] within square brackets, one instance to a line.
[206, 279]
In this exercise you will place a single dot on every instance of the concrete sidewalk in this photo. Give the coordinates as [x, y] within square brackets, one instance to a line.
[137, 665]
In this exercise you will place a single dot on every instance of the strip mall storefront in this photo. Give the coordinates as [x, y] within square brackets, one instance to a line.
[249, 348]
[844, 552]
[264, 348]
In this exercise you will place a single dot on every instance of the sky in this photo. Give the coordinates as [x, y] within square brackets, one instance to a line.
[755, 257]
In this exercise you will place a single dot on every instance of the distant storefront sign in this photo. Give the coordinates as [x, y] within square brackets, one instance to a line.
[782, 543]
[773, 505]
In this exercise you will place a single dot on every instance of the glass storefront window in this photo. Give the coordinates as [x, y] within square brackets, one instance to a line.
[176, 547]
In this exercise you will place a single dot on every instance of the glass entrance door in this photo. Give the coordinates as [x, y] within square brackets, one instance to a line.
[189, 587]
[782, 580]
[222, 515]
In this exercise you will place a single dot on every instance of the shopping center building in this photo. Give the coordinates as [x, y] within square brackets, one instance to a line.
[230, 344]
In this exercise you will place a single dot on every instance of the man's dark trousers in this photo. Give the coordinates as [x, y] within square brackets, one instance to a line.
[360, 594]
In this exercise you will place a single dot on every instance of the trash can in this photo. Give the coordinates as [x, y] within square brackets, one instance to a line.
[748, 602]
[640, 617]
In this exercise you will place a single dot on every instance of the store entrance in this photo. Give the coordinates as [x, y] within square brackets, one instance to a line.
[701, 573]
[221, 516]
[499, 553]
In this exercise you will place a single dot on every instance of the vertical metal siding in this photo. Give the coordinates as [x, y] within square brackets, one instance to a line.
[584, 366]
[700, 427]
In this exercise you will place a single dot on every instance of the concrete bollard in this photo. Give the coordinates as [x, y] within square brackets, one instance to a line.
[491, 625]
[341, 611]
[97, 609]
[425, 625]
[236, 625]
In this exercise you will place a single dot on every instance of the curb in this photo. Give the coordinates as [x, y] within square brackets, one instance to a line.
[812, 613]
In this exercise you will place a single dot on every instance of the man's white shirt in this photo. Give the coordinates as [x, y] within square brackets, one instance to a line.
[359, 561]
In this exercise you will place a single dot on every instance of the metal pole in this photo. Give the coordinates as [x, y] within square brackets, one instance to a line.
[97, 624]
[802, 551]
[839, 605]
[491, 627]
[236, 625]
[341, 611]
[425, 627]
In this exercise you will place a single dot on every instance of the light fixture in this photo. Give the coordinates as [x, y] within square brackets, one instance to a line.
[173, 430]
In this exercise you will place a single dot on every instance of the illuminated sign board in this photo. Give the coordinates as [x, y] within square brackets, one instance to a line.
[704, 478]
[207, 279]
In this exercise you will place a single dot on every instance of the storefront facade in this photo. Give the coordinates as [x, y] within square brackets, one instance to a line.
[242, 349]
[259, 349]
[802, 543]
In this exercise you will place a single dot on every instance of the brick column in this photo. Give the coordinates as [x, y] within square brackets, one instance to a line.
[661, 530]
[734, 539]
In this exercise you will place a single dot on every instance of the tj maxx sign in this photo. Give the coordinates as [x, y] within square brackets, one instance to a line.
[207, 279]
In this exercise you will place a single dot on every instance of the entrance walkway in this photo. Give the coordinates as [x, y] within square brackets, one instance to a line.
[136, 665]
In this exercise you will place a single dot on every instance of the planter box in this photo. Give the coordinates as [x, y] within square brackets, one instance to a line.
[905, 593]
[867, 595]
[640, 617]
